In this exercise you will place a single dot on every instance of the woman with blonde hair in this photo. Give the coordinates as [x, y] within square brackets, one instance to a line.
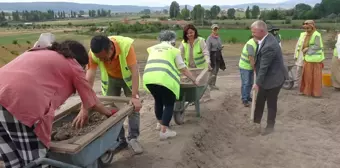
[312, 49]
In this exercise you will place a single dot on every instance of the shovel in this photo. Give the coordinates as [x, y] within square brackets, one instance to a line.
[254, 94]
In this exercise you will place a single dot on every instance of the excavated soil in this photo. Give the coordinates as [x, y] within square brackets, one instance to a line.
[66, 131]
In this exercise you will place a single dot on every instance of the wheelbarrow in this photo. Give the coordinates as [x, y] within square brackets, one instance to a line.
[190, 93]
[92, 150]
[289, 83]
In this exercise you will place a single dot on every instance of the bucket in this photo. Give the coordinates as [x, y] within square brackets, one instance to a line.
[326, 80]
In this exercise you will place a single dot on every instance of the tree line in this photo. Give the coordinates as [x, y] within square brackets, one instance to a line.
[325, 9]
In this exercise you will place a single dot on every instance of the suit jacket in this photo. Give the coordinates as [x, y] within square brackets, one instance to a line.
[270, 69]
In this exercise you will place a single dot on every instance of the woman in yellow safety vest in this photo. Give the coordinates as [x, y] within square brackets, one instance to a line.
[195, 52]
[312, 48]
[162, 78]
[336, 64]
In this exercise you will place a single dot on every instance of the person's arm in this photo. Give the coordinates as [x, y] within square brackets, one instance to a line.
[312, 49]
[183, 68]
[91, 70]
[267, 56]
[86, 93]
[338, 46]
[205, 51]
[181, 48]
[131, 60]
[208, 44]
[251, 54]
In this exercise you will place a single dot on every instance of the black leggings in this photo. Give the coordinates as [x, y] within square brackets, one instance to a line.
[164, 102]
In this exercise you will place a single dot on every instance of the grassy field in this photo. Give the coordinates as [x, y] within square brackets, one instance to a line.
[227, 35]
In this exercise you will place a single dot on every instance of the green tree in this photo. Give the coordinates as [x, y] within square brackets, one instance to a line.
[248, 16]
[198, 13]
[185, 12]
[174, 9]
[214, 11]
[255, 12]
[208, 14]
[231, 13]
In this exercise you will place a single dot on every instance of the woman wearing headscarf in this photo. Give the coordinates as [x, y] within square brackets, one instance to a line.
[32, 87]
[335, 70]
[214, 44]
[195, 52]
[312, 49]
[162, 78]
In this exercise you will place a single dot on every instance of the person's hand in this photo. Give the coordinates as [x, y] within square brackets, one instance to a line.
[136, 103]
[255, 87]
[305, 50]
[209, 67]
[81, 119]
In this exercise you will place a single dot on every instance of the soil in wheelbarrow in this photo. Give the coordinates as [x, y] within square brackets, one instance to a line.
[66, 131]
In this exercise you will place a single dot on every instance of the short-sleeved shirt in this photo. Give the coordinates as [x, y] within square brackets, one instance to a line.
[113, 67]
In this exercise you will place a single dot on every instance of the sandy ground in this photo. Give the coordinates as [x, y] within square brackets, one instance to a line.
[306, 134]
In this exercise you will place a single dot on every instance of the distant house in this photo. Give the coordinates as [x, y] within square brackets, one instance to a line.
[28, 23]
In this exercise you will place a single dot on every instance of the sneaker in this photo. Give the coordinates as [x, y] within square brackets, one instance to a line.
[250, 99]
[245, 103]
[167, 134]
[136, 147]
[158, 127]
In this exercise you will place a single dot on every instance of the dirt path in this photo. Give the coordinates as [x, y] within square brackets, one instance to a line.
[306, 135]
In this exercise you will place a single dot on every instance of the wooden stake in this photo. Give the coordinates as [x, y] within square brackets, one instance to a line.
[252, 109]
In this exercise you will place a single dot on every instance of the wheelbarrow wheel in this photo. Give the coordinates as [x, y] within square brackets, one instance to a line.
[179, 117]
[106, 159]
[288, 84]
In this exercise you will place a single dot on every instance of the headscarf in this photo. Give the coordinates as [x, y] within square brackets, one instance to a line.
[310, 24]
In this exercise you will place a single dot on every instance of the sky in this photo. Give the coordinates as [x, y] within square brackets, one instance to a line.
[155, 2]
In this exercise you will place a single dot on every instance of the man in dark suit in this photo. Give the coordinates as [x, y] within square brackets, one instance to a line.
[270, 75]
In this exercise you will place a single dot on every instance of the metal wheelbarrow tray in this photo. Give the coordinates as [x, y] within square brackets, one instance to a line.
[190, 93]
[92, 149]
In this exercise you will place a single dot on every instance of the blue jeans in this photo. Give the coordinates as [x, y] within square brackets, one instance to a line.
[247, 80]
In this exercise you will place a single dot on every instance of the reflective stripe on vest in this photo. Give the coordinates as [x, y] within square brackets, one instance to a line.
[161, 68]
[199, 59]
[244, 62]
[124, 44]
[317, 56]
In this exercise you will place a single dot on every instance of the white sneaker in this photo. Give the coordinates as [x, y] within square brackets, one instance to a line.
[158, 127]
[167, 134]
[136, 147]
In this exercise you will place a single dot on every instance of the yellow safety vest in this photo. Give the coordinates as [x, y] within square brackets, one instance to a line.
[124, 44]
[161, 68]
[335, 52]
[244, 62]
[319, 56]
[197, 53]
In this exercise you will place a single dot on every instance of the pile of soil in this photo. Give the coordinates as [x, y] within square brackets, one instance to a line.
[67, 131]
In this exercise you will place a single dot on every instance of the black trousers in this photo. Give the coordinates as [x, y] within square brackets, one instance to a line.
[269, 95]
[164, 102]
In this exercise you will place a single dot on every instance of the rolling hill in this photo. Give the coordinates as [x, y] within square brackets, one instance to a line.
[68, 6]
